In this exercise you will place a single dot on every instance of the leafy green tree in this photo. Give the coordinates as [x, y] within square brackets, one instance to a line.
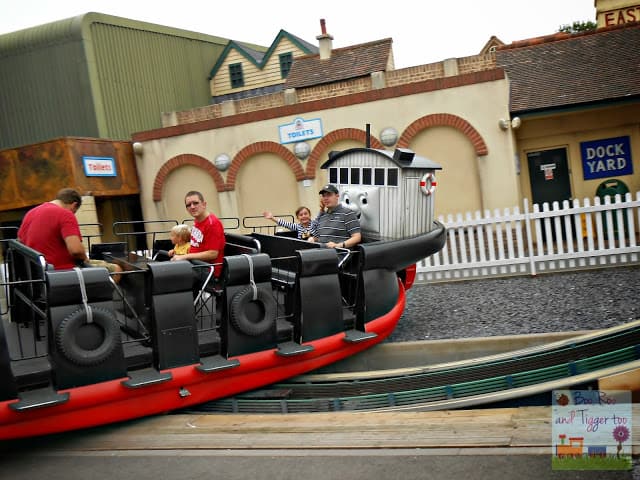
[578, 27]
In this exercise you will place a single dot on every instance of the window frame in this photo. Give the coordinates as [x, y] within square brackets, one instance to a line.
[286, 60]
[236, 75]
[366, 176]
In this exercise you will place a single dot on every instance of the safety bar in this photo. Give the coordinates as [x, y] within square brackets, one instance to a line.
[260, 224]
[89, 236]
[155, 227]
[228, 223]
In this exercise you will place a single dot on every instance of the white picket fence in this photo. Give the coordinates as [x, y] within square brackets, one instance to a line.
[574, 235]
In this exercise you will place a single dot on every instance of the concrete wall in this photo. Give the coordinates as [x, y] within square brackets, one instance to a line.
[446, 125]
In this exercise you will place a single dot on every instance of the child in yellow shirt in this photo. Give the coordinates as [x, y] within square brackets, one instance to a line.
[181, 238]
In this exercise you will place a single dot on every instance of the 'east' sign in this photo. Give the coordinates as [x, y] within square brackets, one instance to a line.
[610, 157]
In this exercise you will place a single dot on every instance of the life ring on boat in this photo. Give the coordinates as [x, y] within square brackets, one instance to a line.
[106, 337]
[428, 183]
[239, 316]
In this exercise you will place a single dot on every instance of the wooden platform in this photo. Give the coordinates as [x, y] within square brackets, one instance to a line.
[623, 381]
[518, 430]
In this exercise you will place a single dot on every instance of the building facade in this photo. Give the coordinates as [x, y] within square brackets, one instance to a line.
[547, 118]
[536, 119]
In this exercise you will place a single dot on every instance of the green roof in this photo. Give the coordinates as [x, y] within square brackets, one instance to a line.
[256, 56]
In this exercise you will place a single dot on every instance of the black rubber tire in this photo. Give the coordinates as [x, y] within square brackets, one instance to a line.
[66, 337]
[238, 312]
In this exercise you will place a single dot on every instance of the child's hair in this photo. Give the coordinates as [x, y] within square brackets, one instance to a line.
[182, 231]
[299, 209]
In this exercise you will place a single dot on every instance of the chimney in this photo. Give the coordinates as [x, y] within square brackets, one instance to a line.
[324, 41]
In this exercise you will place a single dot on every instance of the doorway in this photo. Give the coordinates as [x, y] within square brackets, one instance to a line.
[549, 176]
[121, 209]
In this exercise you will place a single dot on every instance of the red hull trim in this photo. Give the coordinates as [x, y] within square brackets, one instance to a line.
[111, 402]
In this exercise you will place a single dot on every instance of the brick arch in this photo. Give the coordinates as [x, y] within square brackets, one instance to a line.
[180, 161]
[444, 120]
[333, 137]
[262, 147]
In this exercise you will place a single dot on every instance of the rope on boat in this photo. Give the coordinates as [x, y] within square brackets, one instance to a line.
[252, 282]
[83, 292]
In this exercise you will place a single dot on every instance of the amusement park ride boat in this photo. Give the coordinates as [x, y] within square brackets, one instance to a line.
[78, 349]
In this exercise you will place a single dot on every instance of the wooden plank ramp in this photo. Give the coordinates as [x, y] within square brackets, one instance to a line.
[507, 428]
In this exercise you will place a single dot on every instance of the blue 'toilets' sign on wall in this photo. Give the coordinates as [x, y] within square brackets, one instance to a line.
[300, 130]
[99, 166]
[610, 157]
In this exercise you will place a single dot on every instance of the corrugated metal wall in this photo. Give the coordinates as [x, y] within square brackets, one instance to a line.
[143, 73]
[116, 80]
[44, 86]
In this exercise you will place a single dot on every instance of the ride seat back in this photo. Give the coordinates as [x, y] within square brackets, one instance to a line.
[85, 349]
[248, 325]
[175, 335]
[237, 244]
[8, 385]
[115, 249]
[282, 246]
[26, 273]
[318, 302]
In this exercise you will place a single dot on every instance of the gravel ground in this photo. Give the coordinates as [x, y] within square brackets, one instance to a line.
[552, 302]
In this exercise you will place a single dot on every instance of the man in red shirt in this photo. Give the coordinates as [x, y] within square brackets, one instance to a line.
[52, 229]
[207, 234]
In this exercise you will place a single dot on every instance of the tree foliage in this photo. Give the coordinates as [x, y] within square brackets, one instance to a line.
[577, 27]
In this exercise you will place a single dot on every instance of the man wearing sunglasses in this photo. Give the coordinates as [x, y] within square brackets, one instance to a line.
[207, 234]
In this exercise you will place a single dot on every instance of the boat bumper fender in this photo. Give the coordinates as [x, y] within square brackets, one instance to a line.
[262, 306]
[87, 343]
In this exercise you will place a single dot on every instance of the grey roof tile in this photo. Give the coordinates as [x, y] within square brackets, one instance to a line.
[345, 63]
[562, 70]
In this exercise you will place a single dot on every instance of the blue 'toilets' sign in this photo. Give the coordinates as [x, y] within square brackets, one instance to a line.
[610, 157]
[300, 130]
[99, 166]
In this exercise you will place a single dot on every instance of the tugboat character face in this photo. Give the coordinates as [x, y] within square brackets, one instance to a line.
[365, 201]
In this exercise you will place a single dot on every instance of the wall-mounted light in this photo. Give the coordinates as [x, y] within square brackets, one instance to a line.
[138, 148]
[504, 124]
[301, 150]
[389, 136]
[222, 162]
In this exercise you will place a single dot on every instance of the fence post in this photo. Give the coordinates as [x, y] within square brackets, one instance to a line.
[632, 228]
[580, 227]
[527, 227]
[568, 227]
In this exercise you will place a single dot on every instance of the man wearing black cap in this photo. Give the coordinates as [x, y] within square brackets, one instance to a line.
[338, 226]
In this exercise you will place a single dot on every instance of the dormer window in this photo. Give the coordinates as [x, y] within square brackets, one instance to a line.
[286, 59]
[236, 76]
